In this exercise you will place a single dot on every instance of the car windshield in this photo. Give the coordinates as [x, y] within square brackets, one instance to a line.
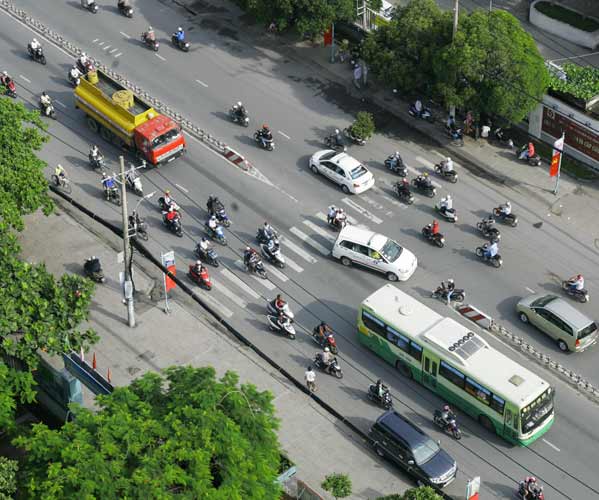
[543, 301]
[587, 330]
[424, 451]
[358, 171]
[391, 251]
[165, 138]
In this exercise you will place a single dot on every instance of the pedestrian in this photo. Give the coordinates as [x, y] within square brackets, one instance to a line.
[468, 121]
[357, 75]
[364, 74]
[310, 377]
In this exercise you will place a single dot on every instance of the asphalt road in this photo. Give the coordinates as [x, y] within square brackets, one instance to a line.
[303, 108]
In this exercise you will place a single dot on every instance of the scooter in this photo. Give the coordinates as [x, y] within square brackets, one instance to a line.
[135, 184]
[441, 292]
[10, 88]
[174, 225]
[510, 219]
[424, 114]
[456, 135]
[112, 194]
[261, 237]
[222, 217]
[93, 270]
[535, 161]
[396, 166]
[332, 368]
[385, 401]
[449, 426]
[404, 195]
[184, 45]
[451, 176]
[428, 189]
[139, 228]
[274, 310]
[449, 214]
[126, 10]
[202, 279]
[495, 261]
[91, 6]
[164, 207]
[286, 329]
[209, 257]
[153, 44]
[353, 138]
[332, 143]
[486, 227]
[536, 494]
[242, 120]
[328, 340]
[268, 144]
[338, 223]
[580, 295]
[36, 55]
[217, 234]
[437, 239]
[97, 162]
[275, 257]
[48, 111]
[500, 137]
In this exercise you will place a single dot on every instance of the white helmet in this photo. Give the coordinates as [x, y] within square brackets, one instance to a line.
[35, 40]
[199, 262]
[450, 280]
[508, 204]
[83, 54]
[247, 249]
[179, 28]
[150, 28]
[396, 153]
[448, 197]
[448, 159]
[239, 104]
[326, 349]
[336, 130]
[5, 73]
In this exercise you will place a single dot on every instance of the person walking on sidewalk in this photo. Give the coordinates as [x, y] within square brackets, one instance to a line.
[310, 377]
[357, 75]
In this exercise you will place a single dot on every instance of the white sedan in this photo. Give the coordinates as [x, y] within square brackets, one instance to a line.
[343, 169]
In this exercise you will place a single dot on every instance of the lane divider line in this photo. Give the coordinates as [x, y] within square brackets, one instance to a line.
[202, 83]
[124, 34]
[158, 56]
[284, 134]
[25, 78]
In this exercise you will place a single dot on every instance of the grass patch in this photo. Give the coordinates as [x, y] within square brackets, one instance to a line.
[567, 16]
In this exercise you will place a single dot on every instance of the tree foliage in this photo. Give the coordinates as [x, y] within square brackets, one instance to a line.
[580, 81]
[493, 66]
[421, 493]
[186, 434]
[338, 485]
[8, 478]
[363, 125]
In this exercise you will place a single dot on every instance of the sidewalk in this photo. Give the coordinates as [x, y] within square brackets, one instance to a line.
[189, 336]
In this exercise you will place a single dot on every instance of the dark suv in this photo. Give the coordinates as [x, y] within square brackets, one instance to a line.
[395, 437]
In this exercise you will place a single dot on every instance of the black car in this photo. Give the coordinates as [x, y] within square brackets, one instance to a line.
[395, 437]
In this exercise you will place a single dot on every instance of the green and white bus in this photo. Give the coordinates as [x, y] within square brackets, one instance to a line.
[457, 364]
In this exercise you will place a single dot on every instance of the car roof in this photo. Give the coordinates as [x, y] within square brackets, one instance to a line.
[363, 236]
[400, 425]
[568, 313]
[345, 161]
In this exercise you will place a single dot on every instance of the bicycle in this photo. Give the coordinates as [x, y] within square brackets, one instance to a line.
[62, 182]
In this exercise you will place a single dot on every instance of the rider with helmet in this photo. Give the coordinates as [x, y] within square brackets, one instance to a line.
[180, 34]
[326, 357]
[150, 35]
[239, 110]
[264, 135]
[576, 283]
[447, 165]
[505, 209]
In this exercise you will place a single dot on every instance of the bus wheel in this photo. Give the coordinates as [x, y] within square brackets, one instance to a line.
[403, 369]
[486, 423]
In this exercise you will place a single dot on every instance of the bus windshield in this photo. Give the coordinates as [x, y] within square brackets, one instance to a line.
[165, 138]
[536, 412]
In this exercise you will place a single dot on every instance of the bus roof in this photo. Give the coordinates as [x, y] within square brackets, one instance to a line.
[464, 349]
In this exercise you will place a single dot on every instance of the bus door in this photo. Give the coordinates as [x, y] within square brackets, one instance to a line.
[429, 372]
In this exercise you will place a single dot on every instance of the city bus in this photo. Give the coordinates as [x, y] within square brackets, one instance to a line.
[458, 364]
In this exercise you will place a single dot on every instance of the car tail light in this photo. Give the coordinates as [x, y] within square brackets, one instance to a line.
[577, 342]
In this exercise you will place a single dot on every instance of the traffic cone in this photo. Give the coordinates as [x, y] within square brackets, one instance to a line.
[94, 362]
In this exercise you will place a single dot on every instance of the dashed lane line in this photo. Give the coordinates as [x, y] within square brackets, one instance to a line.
[300, 251]
[363, 211]
[240, 283]
[25, 78]
[124, 34]
[202, 83]
[309, 241]
[158, 56]
[284, 134]
[325, 234]
[217, 285]
[227, 313]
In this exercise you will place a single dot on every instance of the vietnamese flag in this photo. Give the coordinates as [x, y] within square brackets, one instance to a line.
[328, 36]
[170, 284]
[558, 148]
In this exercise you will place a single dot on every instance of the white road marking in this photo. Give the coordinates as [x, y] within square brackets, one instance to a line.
[26, 79]
[202, 83]
[118, 55]
[362, 211]
[240, 283]
[425, 162]
[530, 290]
[95, 40]
[550, 444]
[293, 265]
[309, 241]
[101, 43]
[113, 50]
[301, 252]
[216, 305]
[158, 56]
[317, 229]
[284, 134]
[185, 190]
[60, 103]
[275, 272]
[124, 34]
[350, 220]
[267, 284]
[107, 47]
[225, 291]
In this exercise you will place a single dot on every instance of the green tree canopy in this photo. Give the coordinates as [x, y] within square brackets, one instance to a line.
[338, 485]
[421, 493]
[184, 435]
[8, 478]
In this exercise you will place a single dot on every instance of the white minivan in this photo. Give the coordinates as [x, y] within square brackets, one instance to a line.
[375, 251]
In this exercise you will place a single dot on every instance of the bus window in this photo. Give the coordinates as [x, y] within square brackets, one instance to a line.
[415, 351]
[373, 324]
[456, 377]
[497, 404]
[478, 391]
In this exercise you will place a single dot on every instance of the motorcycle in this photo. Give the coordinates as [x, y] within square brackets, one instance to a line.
[217, 234]
[501, 138]
[385, 401]
[403, 194]
[338, 223]
[73, 81]
[425, 113]
[173, 225]
[441, 292]
[396, 165]
[286, 329]
[536, 494]
[10, 88]
[353, 138]
[84, 69]
[126, 10]
[36, 55]
[332, 143]
[242, 120]
[428, 189]
[437, 239]
[91, 6]
[328, 340]
[449, 426]
[134, 184]
[48, 110]
[449, 214]
[275, 257]
[452, 175]
[580, 295]
[153, 44]
[332, 368]
[494, 261]
[274, 310]
[258, 268]
[490, 232]
[535, 161]
[97, 162]
[456, 135]
[202, 279]
[268, 144]
[510, 219]
[93, 270]
[112, 194]
[164, 207]
[209, 257]
[184, 45]
[222, 217]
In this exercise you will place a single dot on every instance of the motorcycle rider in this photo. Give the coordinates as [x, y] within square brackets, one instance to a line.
[528, 152]
[446, 204]
[272, 247]
[310, 378]
[326, 357]
[180, 34]
[212, 224]
[171, 215]
[279, 303]
[5, 79]
[450, 289]
[339, 218]
[204, 246]
[491, 250]
[576, 283]
[447, 414]
[324, 331]
[168, 200]
[435, 227]
[150, 35]
[403, 187]
[198, 268]
[424, 180]
[59, 172]
[214, 205]
[418, 107]
[267, 232]
[239, 110]
[108, 184]
[84, 61]
[331, 214]
[87, 3]
[283, 320]
[45, 101]
[505, 209]
[264, 135]
[134, 221]
[250, 258]
[34, 45]
[122, 4]
[531, 487]
[94, 153]
[74, 73]
[395, 160]
[488, 222]
[131, 175]
[447, 165]
[337, 140]
[380, 389]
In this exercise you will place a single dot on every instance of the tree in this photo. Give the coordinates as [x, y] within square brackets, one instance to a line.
[421, 493]
[8, 482]
[338, 485]
[493, 67]
[183, 434]
[363, 125]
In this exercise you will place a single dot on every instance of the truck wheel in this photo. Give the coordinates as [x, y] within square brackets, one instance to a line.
[106, 134]
[92, 124]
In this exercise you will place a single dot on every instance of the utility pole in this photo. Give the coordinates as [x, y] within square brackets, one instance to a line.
[128, 285]
[490, 5]
[456, 12]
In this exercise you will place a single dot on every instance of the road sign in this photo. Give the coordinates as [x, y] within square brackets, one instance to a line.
[473, 488]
